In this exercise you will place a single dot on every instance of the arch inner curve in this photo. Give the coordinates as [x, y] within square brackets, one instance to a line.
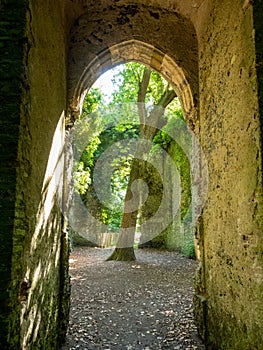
[141, 52]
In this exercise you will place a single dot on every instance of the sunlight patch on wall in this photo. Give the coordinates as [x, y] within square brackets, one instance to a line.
[52, 189]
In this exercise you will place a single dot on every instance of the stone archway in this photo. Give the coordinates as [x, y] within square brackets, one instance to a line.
[160, 38]
[218, 46]
[203, 39]
[146, 54]
[98, 60]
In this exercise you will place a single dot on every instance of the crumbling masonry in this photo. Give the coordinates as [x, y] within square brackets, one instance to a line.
[51, 52]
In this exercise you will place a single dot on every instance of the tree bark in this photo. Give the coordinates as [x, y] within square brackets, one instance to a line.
[124, 250]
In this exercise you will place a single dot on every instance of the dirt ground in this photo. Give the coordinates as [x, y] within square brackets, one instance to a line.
[146, 304]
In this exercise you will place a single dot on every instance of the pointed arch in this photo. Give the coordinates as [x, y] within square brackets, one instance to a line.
[141, 52]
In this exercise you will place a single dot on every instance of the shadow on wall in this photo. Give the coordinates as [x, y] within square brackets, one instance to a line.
[42, 287]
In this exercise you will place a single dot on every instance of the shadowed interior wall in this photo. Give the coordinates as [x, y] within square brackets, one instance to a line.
[230, 285]
[46, 47]
[12, 26]
[36, 294]
[40, 180]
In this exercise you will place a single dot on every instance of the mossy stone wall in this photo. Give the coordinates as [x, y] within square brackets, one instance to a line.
[38, 41]
[12, 28]
[230, 285]
[40, 252]
[34, 286]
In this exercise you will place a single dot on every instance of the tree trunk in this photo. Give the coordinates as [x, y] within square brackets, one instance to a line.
[124, 250]
[123, 254]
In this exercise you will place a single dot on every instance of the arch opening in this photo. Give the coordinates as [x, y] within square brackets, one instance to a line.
[168, 146]
[111, 314]
[127, 47]
[143, 53]
[152, 57]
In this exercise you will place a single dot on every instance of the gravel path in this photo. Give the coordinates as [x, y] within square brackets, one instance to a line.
[145, 304]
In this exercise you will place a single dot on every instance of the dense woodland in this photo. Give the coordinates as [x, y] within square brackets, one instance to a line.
[142, 107]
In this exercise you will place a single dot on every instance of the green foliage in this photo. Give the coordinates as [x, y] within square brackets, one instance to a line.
[173, 147]
[120, 165]
[105, 127]
[188, 249]
[91, 102]
[81, 178]
[128, 80]
[85, 161]
[83, 167]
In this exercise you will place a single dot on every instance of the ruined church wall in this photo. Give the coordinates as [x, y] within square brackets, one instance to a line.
[230, 286]
[38, 285]
[12, 26]
[33, 290]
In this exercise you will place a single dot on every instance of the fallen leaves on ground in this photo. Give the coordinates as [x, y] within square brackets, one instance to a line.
[145, 304]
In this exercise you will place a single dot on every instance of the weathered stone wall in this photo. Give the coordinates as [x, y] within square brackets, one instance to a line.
[37, 42]
[258, 26]
[12, 26]
[35, 252]
[38, 257]
[158, 35]
[231, 281]
[172, 186]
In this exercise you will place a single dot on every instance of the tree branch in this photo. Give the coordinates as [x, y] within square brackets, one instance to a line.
[143, 85]
[167, 97]
[156, 117]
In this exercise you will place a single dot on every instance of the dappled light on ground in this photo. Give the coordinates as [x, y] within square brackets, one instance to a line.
[144, 304]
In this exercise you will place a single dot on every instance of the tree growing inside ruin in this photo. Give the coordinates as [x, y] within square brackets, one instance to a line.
[141, 85]
[150, 95]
